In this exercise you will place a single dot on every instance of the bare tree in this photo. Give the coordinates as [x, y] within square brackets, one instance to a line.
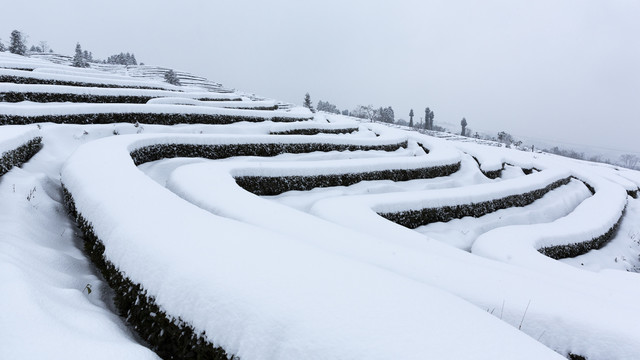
[629, 160]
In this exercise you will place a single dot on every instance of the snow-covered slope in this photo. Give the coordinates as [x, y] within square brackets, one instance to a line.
[199, 263]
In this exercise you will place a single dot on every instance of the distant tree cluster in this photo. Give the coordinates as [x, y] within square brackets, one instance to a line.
[381, 114]
[428, 119]
[385, 115]
[122, 59]
[42, 47]
[630, 161]
[171, 77]
[81, 58]
[327, 107]
[566, 153]
[17, 43]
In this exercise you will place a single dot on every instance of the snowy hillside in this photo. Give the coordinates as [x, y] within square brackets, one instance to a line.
[143, 220]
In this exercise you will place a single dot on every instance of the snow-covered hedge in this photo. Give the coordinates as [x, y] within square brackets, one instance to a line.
[316, 131]
[33, 77]
[20, 114]
[57, 93]
[276, 183]
[476, 201]
[589, 226]
[258, 294]
[235, 103]
[314, 128]
[169, 337]
[225, 147]
[17, 145]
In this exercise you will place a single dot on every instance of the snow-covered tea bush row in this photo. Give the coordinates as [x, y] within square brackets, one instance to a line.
[277, 184]
[34, 77]
[17, 145]
[578, 324]
[428, 207]
[235, 103]
[589, 226]
[276, 178]
[206, 285]
[141, 113]
[10, 92]
[225, 146]
[314, 128]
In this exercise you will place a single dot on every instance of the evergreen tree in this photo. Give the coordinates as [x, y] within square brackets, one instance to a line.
[17, 45]
[428, 119]
[87, 56]
[411, 118]
[171, 77]
[463, 123]
[328, 107]
[307, 102]
[387, 115]
[79, 59]
[122, 59]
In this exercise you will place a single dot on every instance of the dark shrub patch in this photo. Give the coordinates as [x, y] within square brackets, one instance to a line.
[20, 155]
[415, 218]
[267, 185]
[314, 131]
[167, 151]
[143, 118]
[170, 338]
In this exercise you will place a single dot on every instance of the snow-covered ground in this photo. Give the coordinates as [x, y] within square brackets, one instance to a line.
[311, 274]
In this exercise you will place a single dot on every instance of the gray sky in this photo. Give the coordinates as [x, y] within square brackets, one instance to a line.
[567, 70]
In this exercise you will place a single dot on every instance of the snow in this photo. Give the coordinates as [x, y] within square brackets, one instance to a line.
[46, 310]
[87, 79]
[590, 220]
[225, 104]
[26, 108]
[12, 136]
[97, 91]
[391, 203]
[306, 274]
[245, 300]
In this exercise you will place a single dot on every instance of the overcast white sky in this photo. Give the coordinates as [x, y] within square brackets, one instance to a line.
[567, 70]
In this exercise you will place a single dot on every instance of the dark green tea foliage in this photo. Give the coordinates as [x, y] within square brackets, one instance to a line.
[222, 151]
[315, 131]
[35, 81]
[141, 117]
[274, 185]
[20, 155]
[416, 218]
[167, 336]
